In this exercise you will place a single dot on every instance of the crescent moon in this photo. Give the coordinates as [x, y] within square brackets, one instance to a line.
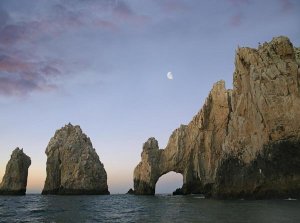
[170, 75]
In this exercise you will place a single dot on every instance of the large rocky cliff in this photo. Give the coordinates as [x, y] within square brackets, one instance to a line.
[73, 166]
[14, 181]
[244, 142]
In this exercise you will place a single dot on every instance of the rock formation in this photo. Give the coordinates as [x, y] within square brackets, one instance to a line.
[14, 181]
[244, 142]
[192, 150]
[130, 191]
[73, 166]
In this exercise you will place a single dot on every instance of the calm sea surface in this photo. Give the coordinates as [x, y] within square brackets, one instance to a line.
[127, 208]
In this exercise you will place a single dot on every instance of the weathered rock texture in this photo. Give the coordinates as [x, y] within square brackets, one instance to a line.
[14, 181]
[73, 166]
[244, 142]
[183, 155]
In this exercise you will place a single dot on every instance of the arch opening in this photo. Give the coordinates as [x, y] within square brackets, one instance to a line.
[168, 183]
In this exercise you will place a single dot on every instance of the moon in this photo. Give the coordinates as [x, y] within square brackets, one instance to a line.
[170, 75]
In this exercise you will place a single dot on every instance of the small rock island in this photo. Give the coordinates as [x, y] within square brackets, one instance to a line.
[244, 142]
[14, 181]
[73, 166]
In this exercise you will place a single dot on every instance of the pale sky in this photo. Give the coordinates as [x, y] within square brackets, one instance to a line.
[103, 64]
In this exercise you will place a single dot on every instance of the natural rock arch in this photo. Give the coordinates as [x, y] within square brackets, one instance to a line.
[244, 142]
[192, 149]
[169, 183]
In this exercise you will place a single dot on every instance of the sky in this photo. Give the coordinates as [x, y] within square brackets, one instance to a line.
[103, 64]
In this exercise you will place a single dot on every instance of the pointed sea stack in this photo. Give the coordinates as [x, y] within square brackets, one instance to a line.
[14, 181]
[73, 166]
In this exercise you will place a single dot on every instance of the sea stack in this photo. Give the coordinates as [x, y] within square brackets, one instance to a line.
[14, 181]
[244, 142]
[73, 166]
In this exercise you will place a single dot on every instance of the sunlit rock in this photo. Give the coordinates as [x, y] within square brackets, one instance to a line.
[73, 166]
[244, 142]
[14, 181]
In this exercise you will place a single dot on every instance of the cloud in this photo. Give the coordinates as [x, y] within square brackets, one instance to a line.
[21, 87]
[27, 65]
[286, 5]
[11, 34]
[237, 6]
[61, 16]
[19, 77]
[122, 10]
[23, 68]
[236, 20]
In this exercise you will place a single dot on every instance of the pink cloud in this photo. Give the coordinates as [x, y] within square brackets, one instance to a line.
[23, 68]
[11, 34]
[237, 5]
[18, 77]
[236, 20]
[122, 10]
[10, 65]
[286, 6]
[21, 87]
[48, 70]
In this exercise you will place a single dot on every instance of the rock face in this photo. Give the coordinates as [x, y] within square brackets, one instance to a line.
[244, 142]
[189, 146]
[14, 181]
[73, 166]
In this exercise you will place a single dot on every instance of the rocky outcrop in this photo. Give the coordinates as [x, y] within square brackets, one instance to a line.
[73, 166]
[178, 191]
[244, 142]
[14, 181]
[262, 148]
[183, 154]
[130, 191]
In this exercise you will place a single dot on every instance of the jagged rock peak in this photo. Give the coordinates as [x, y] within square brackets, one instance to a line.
[151, 143]
[15, 178]
[73, 166]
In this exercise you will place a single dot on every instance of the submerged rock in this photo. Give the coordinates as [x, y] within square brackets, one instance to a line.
[14, 181]
[73, 166]
[178, 191]
[244, 142]
[130, 191]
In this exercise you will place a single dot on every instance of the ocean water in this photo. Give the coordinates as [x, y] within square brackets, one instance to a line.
[128, 208]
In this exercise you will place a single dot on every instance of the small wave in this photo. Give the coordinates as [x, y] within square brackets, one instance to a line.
[201, 197]
[37, 211]
[290, 199]
[128, 211]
